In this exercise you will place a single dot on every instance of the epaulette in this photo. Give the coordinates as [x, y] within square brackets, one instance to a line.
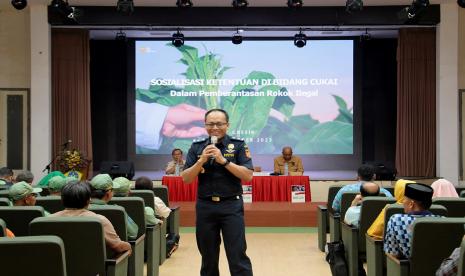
[200, 140]
[237, 139]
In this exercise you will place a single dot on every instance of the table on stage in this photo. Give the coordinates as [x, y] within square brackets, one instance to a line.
[264, 188]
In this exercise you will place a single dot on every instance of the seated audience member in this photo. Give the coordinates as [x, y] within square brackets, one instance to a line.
[366, 173]
[124, 190]
[6, 177]
[288, 164]
[450, 265]
[444, 188]
[376, 230]
[417, 200]
[352, 216]
[43, 183]
[101, 193]
[55, 184]
[70, 178]
[22, 194]
[25, 176]
[176, 165]
[161, 210]
[76, 198]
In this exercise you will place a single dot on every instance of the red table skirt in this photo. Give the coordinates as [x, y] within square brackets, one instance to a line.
[264, 188]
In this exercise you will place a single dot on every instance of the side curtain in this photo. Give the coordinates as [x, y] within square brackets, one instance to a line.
[71, 118]
[416, 103]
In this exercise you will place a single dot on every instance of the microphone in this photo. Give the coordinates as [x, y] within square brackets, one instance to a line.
[213, 141]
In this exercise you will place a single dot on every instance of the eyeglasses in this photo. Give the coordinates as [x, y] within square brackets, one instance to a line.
[218, 125]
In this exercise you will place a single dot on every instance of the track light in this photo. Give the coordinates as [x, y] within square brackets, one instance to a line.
[300, 39]
[412, 11]
[237, 38]
[461, 3]
[121, 36]
[19, 4]
[62, 7]
[366, 36]
[354, 5]
[240, 4]
[178, 39]
[295, 3]
[125, 6]
[184, 3]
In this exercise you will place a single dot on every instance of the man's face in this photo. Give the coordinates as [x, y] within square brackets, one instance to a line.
[287, 154]
[408, 204]
[177, 155]
[216, 124]
[30, 200]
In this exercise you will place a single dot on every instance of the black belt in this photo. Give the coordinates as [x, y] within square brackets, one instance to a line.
[220, 198]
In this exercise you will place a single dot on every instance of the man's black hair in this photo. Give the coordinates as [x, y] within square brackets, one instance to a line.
[5, 171]
[144, 183]
[174, 150]
[218, 110]
[75, 194]
[366, 172]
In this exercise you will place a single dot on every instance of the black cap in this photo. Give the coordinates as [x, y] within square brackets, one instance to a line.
[419, 192]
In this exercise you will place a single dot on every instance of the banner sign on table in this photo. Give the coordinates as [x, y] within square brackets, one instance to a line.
[247, 193]
[298, 193]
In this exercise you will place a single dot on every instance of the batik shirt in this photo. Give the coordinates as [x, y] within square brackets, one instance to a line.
[399, 233]
[350, 189]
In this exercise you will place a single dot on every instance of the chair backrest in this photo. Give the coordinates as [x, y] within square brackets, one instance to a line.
[346, 201]
[371, 207]
[390, 189]
[455, 206]
[433, 240]
[460, 191]
[4, 201]
[163, 193]
[5, 194]
[51, 204]
[2, 228]
[146, 195]
[332, 191]
[35, 253]
[83, 239]
[116, 215]
[18, 217]
[134, 207]
[462, 194]
[396, 208]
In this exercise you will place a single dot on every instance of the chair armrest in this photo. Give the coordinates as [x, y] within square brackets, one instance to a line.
[175, 207]
[322, 208]
[138, 240]
[373, 239]
[397, 260]
[118, 259]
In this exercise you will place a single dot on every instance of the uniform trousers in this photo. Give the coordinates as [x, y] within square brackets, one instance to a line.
[226, 217]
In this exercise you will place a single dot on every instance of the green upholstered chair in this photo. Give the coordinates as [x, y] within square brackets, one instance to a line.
[4, 201]
[335, 219]
[4, 194]
[323, 216]
[134, 207]
[146, 195]
[35, 255]
[17, 218]
[455, 206]
[2, 228]
[431, 244]
[354, 237]
[85, 247]
[51, 204]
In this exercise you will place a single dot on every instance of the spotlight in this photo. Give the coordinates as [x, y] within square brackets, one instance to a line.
[121, 36]
[178, 39]
[366, 36]
[461, 3]
[240, 4]
[19, 4]
[295, 3]
[125, 6]
[354, 5]
[184, 3]
[300, 39]
[69, 13]
[237, 38]
[417, 7]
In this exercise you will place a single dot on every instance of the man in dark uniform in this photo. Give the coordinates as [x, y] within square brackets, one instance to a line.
[220, 167]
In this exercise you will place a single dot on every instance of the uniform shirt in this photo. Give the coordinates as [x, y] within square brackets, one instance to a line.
[111, 238]
[131, 226]
[217, 180]
[294, 165]
[351, 188]
[398, 238]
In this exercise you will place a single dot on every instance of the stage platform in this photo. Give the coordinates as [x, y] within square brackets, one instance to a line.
[263, 214]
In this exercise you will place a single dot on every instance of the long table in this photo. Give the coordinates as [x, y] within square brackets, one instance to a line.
[264, 188]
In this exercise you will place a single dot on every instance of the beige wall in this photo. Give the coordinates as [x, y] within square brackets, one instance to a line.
[14, 48]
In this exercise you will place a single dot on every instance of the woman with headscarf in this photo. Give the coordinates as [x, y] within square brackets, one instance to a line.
[376, 230]
[444, 188]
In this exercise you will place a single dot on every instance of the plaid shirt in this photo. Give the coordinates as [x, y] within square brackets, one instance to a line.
[450, 265]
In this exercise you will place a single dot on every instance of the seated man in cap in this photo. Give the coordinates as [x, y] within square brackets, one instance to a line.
[352, 216]
[417, 200]
[101, 193]
[25, 176]
[288, 164]
[76, 198]
[124, 191]
[55, 184]
[22, 194]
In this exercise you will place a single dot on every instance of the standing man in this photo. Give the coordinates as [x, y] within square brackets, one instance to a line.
[220, 167]
[287, 164]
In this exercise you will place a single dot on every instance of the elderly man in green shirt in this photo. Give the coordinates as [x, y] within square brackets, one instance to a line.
[22, 194]
[102, 191]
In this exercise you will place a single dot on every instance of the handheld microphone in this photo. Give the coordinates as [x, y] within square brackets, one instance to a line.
[213, 141]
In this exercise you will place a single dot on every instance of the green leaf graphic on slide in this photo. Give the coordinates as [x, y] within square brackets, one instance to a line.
[327, 138]
[345, 114]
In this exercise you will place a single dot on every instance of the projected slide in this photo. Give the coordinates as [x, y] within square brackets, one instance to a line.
[275, 93]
